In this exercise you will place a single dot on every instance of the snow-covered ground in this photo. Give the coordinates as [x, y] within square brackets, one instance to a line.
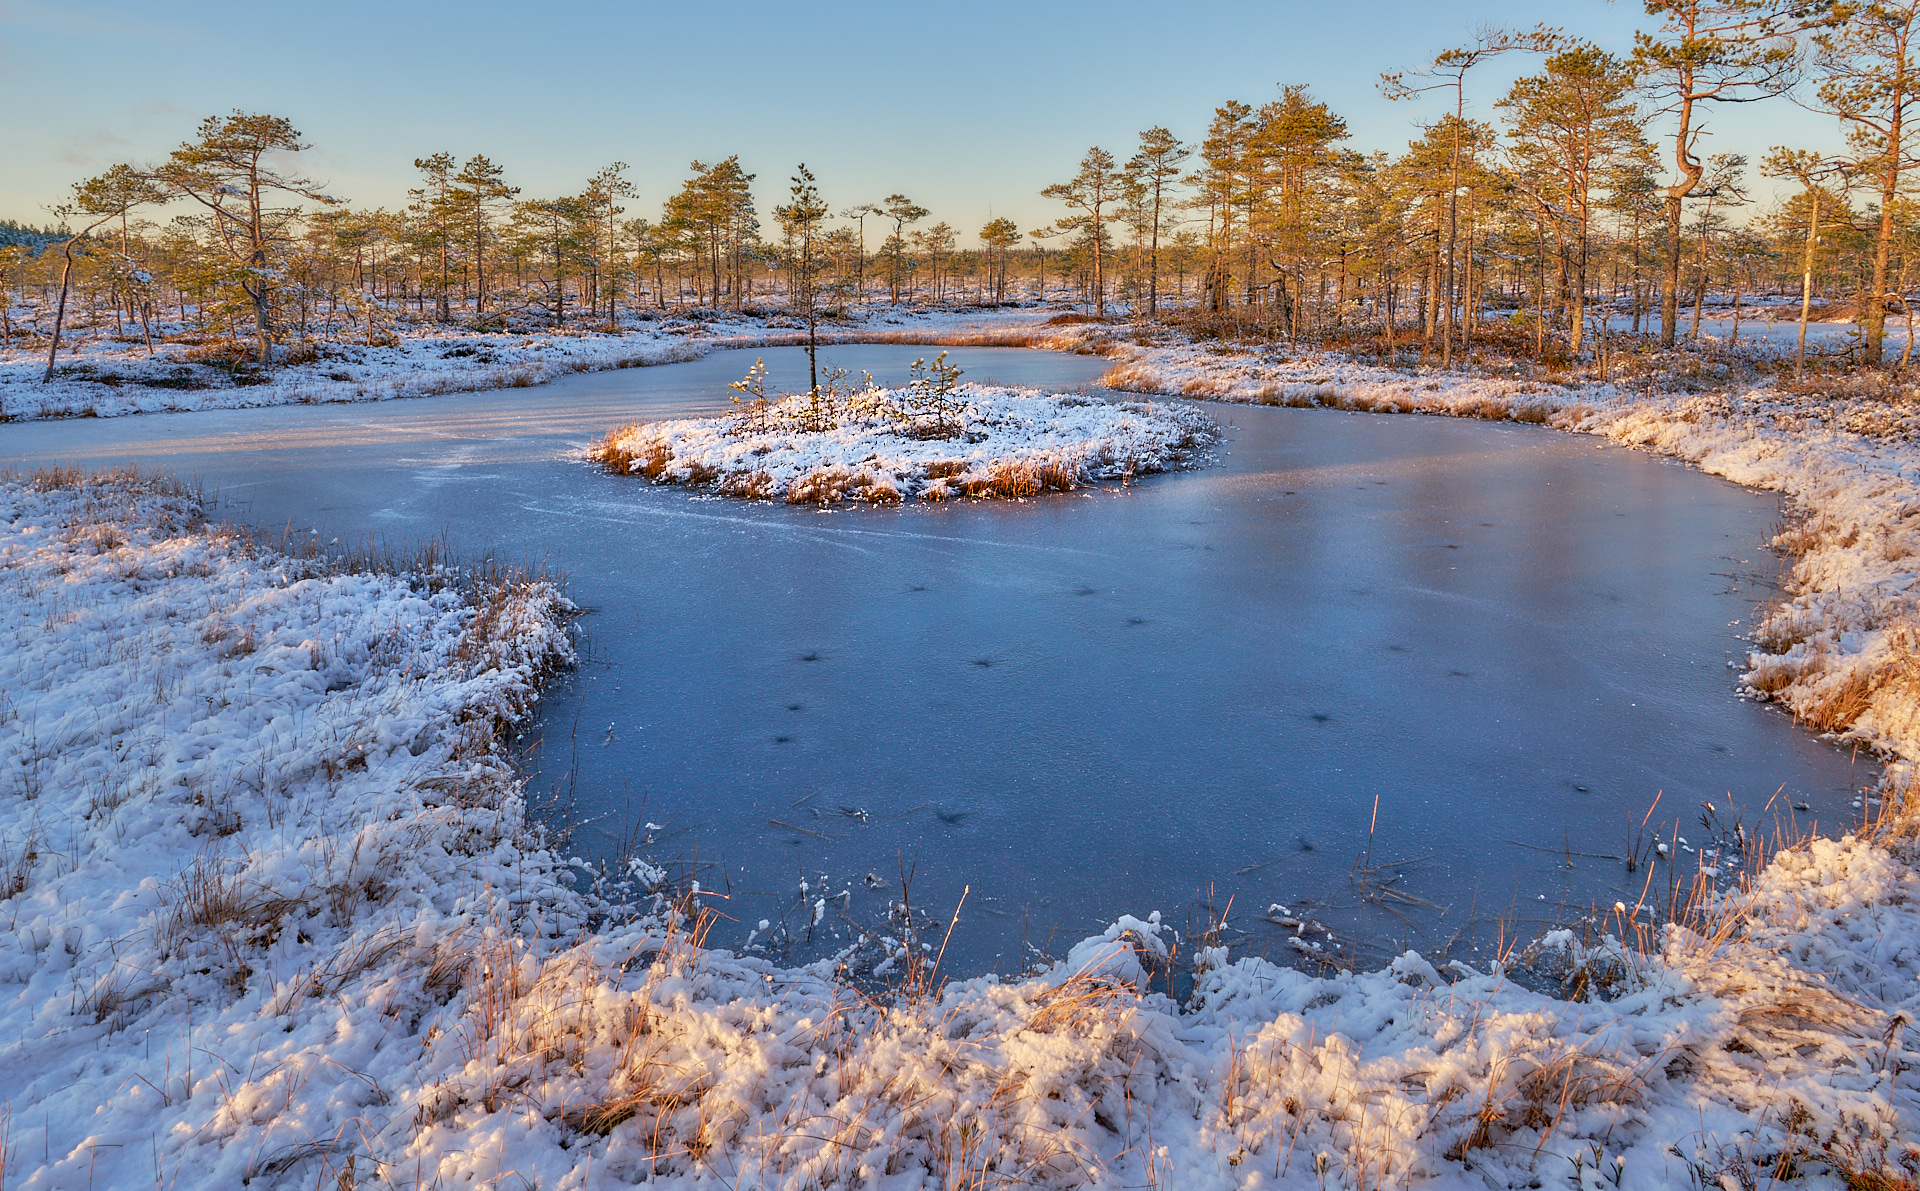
[883, 446]
[1769, 320]
[100, 376]
[274, 914]
[1776, 327]
[254, 827]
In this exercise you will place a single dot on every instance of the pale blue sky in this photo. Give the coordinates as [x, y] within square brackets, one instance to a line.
[968, 109]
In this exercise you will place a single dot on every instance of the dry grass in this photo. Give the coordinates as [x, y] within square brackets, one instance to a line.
[1803, 533]
[596, 1045]
[1886, 387]
[1772, 677]
[624, 452]
[1017, 478]
[1066, 340]
[350, 960]
[511, 605]
[1072, 320]
[825, 486]
[753, 485]
[1009, 479]
[17, 858]
[1784, 1015]
[1779, 627]
[213, 895]
[1058, 473]
[218, 910]
[228, 353]
[578, 1041]
[829, 485]
[1833, 706]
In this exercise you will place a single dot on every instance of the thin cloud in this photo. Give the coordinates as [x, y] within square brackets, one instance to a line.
[43, 18]
[93, 146]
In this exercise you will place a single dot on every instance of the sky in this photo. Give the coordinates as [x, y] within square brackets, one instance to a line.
[968, 109]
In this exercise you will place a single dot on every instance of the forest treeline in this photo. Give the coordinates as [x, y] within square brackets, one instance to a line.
[1584, 205]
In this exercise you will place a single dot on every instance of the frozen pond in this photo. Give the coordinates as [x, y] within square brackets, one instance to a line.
[1111, 701]
[1775, 322]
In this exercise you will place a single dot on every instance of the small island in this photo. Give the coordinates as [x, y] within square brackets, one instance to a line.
[933, 439]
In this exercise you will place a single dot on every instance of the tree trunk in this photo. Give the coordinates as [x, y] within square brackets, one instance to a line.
[1453, 219]
[1099, 278]
[1670, 296]
[1577, 300]
[60, 311]
[1806, 282]
[1875, 311]
[1700, 286]
[1153, 259]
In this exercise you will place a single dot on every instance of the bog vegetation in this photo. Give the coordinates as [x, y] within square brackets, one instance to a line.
[1575, 217]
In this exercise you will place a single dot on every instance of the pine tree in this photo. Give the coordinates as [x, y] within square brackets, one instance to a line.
[1292, 167]
[1092, 190]
[107, 197]
[651, 248]
[435, 208]
[1813, 172]
[600, 208]
[1570, 123]
[714, 210]
[1040, 236]
[938, 242]
[248, 201]
[1722, 184]
[556, 231]
[999, 236]
[1870, 79]
[801, 218]
[1220, 184]
[1154, 170]
[903, 211]
[859, 216]
[478, 188]
[1449, 68]
[1710, 51]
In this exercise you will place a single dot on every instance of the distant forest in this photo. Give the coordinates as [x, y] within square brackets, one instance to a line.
[25, 234]
[1588, 195]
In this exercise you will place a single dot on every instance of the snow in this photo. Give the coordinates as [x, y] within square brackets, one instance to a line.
[233, 784]
[275, 914]
[989, 442]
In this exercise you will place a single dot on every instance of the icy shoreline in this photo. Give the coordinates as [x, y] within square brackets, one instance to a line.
[1842, 652]
[883, 446]
[274, 915]
[100, 377]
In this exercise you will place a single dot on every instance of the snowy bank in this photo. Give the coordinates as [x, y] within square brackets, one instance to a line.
[233, 787]
[883, 446]
[635, 1057]
[100, 376]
